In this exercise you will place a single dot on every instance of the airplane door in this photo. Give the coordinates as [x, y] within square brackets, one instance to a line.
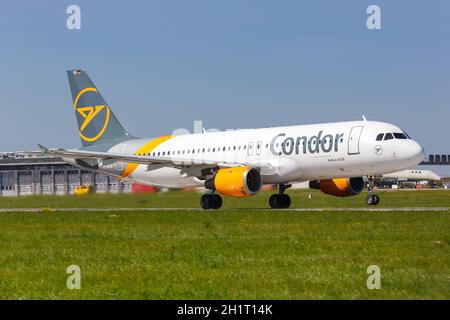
[254, 150]
[353, 140]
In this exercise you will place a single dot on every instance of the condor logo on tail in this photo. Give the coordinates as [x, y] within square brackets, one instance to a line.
[94, 119]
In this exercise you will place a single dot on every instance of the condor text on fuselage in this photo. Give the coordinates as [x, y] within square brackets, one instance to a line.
[315, 144]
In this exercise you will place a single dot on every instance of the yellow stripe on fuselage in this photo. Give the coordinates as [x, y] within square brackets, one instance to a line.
[144, 150]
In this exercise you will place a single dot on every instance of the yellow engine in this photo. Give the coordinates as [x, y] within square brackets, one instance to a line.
[341, 187]
[236, 182]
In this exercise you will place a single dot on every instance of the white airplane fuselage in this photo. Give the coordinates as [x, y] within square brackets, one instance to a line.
[283, 154]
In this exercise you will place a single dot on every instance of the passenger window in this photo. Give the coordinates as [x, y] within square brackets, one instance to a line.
[380, 137]
[388, 136]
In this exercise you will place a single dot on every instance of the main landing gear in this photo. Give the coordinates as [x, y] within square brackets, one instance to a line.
[210, 201]
[372, 199]
[280, 200]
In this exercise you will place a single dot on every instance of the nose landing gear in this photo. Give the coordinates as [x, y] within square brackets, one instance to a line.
[372, 199]
[280, 200]
[210, 201]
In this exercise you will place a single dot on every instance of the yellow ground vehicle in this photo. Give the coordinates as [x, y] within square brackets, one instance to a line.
[84, 189]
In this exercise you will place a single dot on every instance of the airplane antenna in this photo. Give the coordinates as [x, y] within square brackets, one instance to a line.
[364, 118]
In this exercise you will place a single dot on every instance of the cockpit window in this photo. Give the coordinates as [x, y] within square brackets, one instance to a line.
[399, 135]
[388, 136]
[380, 137]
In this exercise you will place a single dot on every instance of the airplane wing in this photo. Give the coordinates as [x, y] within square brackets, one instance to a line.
[96, 155]
[169, 161]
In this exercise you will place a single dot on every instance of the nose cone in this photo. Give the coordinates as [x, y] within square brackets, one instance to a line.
[415, 153]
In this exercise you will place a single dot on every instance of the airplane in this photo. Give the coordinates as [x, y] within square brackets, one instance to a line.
[333, 156]
[412, 175]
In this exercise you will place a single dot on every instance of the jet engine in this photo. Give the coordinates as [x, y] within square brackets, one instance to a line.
[341, 187]
[236, 182]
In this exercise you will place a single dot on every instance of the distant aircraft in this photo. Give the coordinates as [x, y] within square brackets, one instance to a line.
[237, 163]
[412, 175]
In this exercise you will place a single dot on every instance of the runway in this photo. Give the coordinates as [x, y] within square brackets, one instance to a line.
[362, 209]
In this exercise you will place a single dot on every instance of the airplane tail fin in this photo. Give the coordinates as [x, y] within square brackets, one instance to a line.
[97, 124]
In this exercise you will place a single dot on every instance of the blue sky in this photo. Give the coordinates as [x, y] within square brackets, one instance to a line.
[232, 64]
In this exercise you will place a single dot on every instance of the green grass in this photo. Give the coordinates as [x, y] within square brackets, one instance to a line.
[180, 199]
[226, 254]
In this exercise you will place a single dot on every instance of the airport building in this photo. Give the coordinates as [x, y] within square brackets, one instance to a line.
[36, 176]
[437, 159]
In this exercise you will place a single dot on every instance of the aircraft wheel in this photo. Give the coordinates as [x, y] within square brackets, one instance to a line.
[286, 200]
[369, 200]
[372, 199]
[279, 201]
[376, 199]
[206, 201]
[216, 201]
[275, 201]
